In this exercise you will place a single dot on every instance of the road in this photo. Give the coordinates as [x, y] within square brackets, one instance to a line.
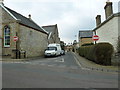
[55, 72]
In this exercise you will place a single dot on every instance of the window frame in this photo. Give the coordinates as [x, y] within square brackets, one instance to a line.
[5, 28]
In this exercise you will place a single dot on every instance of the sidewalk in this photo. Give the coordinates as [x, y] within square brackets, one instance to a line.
[86, 64]
[8, 59]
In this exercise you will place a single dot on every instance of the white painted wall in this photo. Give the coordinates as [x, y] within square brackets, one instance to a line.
[109, 32]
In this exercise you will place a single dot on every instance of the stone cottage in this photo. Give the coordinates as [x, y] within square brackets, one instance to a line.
[53, 33]
[32, 39]
[85, 37]
[108, 30]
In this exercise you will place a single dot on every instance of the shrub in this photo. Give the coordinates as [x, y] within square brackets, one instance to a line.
[91, 53]
[103, 53]
[100, 53]
[119, 44]
[88, 44]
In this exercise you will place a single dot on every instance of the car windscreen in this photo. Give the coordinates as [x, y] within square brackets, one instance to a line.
[52, 48]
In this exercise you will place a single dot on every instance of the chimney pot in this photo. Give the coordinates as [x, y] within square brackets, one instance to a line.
[29, 16]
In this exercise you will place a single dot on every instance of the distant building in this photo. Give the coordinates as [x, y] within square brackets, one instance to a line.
[75, 45]
[31, 38]
[53, 33]
[108, 31]
[62, 45]
[85, 37]
[69, 48]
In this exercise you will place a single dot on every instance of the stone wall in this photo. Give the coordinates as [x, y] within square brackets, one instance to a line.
[0, 32]
[32, 41]
[8, 20]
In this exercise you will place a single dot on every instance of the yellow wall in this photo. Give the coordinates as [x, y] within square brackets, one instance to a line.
[85, 40]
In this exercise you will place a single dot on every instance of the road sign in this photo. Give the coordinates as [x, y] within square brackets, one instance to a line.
[95, 37]
[15, 38]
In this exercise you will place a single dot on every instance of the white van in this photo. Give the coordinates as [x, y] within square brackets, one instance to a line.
[53, 50]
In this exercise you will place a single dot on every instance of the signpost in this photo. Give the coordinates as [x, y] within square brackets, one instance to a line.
[95, 38]
[15, 38]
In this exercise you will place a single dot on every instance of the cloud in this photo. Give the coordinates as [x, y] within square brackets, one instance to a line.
[70, 15]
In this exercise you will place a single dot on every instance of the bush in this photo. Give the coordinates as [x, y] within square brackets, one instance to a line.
[119, 44]
[103, 53]
[88, 44]
[100, 53]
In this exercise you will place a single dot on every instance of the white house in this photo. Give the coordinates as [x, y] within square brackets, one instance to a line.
[108, 31]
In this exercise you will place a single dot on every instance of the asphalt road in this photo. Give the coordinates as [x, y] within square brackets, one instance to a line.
[55, 72]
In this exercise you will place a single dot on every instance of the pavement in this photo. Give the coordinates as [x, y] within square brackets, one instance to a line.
[87, 64]
[8, 59]
[83, 63]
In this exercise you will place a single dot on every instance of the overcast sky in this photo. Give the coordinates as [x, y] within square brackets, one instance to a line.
[70, 15]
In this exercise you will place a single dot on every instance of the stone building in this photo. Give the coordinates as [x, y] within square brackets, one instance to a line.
[108, 30]
[85, 37]
[53, 33]
[69, 48]
[31, 38]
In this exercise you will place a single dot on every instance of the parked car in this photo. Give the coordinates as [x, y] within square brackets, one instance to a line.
[62, 52]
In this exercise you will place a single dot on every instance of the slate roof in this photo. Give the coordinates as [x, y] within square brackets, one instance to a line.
[50, 28]
[26, 21]
[85, 34]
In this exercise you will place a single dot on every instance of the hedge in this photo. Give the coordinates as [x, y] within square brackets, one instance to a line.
[87, 44]
[118, 44]
[100, 53]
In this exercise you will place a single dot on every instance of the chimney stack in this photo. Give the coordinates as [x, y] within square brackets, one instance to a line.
[98, 20]
[108, 9]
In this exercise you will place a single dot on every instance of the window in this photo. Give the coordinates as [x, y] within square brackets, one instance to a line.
[52, 48]
[6, 36]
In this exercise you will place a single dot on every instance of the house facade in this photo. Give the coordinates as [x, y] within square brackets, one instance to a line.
[85, 37]
[31, 38]
[108, 31]
[53, 33]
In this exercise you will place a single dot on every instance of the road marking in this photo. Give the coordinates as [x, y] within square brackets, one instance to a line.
[63, 60]
[51, 58]
[50, 65]
[80, 64]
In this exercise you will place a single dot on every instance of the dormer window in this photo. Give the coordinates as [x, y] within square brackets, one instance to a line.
[6, 36]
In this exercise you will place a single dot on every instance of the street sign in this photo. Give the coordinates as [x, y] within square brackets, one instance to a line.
[15, 38]
[95, 37]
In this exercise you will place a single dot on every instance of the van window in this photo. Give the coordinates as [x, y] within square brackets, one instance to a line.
[52, 48]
